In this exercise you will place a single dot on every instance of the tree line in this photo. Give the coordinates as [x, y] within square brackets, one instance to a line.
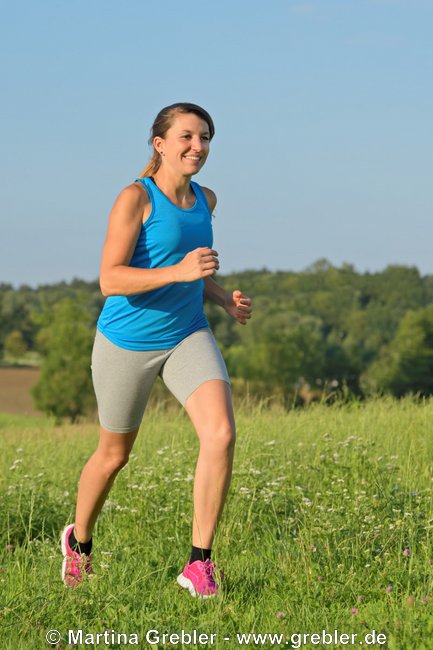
[320, 332]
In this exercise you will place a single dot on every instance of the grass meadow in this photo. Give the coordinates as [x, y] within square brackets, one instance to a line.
[328, 526]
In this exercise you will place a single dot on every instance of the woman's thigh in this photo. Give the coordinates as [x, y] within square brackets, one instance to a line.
[211, 412]
[123, 380]
[192, 363]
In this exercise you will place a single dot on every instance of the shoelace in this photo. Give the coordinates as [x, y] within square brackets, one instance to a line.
[82, 562]
[209, 569]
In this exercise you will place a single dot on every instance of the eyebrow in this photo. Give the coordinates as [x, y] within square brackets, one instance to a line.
[207, 132]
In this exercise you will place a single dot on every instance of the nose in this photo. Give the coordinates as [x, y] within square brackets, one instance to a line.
[197, 144]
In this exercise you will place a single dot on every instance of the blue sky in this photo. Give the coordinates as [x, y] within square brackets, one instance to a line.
[324, 130]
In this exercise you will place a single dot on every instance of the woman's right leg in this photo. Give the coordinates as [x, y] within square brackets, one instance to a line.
[98, 477]
[122, 380]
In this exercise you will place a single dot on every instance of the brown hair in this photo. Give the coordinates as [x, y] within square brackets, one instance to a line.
[163, 122]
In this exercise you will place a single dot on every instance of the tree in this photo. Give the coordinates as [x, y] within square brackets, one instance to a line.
[280, 350]
[15, 346]
[65, 385]
[406, 364]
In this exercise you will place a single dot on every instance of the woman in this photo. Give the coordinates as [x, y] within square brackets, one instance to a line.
[157, 263]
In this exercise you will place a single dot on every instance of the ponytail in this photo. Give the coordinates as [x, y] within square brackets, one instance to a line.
[152, 166]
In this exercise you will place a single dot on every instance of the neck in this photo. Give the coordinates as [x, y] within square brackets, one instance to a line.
[176, 187]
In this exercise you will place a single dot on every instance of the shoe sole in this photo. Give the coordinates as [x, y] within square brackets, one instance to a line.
[64, 553]
[187, 584]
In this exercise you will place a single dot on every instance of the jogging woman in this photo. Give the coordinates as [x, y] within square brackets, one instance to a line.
[157, 263]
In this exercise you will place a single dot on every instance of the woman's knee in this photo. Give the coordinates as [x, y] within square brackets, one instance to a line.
[112, 463]
[221, 438]
[113, 451]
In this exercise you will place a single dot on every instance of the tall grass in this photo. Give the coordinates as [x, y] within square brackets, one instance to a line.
[328, 525]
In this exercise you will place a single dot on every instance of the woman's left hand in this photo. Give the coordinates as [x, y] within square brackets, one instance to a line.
[238, 306]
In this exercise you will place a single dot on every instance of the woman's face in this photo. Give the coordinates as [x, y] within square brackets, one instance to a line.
[185, 147]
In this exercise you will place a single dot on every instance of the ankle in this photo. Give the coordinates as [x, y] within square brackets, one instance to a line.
[80, 536]
[79, 546]
[201, 554]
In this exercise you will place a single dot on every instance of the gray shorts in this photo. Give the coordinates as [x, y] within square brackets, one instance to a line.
[123, 379]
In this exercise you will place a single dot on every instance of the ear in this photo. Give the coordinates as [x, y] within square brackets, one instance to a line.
[157, 142]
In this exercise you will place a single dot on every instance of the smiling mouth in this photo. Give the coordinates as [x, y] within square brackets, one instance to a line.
[193, 158]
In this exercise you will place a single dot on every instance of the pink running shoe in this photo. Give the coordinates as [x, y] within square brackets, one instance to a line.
[75, 567]
[199, 579]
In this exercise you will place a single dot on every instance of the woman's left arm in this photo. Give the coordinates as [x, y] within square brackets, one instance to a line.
[236, 304]
[214, 292]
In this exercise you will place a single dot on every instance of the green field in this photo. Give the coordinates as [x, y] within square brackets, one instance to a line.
[328, 526]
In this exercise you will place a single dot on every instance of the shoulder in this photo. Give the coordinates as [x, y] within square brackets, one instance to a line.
[211, 198]
[131, 203]
[133, 194]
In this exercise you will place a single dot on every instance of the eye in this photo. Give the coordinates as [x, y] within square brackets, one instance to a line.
[206, 138]
[187, 136]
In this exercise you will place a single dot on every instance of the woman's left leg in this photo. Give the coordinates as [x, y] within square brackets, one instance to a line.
[211, 412]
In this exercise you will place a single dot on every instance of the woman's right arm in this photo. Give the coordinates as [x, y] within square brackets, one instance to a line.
[117, 277]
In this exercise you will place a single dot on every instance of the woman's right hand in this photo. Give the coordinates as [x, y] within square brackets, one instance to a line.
[197, 264]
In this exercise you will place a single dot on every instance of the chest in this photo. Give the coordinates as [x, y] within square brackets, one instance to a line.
[173, 234]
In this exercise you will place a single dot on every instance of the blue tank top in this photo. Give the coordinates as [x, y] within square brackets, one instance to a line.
[161, 318]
